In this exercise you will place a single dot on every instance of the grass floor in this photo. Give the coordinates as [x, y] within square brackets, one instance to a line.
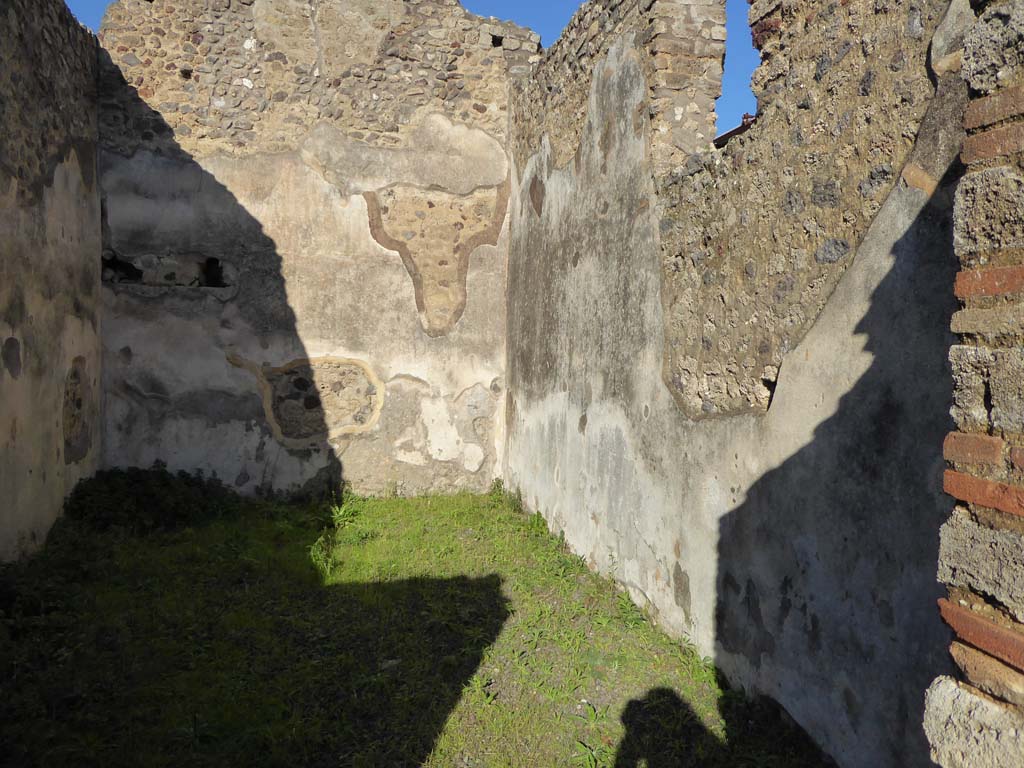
[167, 623]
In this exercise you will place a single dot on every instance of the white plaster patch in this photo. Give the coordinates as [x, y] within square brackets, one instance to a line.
[473, 458]
[415, 458]
[443, 441]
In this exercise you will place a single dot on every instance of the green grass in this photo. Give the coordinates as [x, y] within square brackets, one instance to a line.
[169, 623]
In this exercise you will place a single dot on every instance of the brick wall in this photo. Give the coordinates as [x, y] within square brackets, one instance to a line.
[975, 722]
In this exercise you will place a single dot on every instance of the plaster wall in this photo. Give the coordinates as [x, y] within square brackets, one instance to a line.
[349, 190]
[49, 273]
[796, 546]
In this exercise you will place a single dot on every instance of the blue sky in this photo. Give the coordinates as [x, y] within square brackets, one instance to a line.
[549, 17]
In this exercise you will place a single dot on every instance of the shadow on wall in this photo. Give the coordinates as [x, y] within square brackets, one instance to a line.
[203, 361]
[844, 534]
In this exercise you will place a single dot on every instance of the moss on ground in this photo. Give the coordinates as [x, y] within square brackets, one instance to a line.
[169, 623]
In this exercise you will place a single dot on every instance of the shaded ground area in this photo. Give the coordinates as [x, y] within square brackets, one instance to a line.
[168, 622]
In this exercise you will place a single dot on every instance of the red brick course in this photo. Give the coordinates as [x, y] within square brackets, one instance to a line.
[1017, 457]
[995, 143]
[994, 109]
[972, 449]
[993, 281]
[985, 493]
[999, 642]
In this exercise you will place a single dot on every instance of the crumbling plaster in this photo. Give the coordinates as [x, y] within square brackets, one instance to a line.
[371, 230]
[49, 275]
[797, 546]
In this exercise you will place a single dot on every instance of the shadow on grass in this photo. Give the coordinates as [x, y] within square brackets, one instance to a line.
[663, 731]
[221, 644]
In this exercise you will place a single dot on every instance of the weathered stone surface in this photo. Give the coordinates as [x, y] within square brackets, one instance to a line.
[989, 214]
[1004, 320]
[969, 730]
[258, 76]
[49, 268]
[949, 35]
[983, 559]
[313, 283]
[754, 243]
[992, 48]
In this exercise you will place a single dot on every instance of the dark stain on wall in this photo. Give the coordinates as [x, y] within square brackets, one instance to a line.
[11, 354]
[537, 194]
[681, 590]
[78, 396]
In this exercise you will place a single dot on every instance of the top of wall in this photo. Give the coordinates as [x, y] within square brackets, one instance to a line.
[684, 43]
[756, 237]
[47, 91]
[232, 76]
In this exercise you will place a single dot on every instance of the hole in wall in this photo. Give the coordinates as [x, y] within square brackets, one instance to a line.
[118, 270]
[737, 105]
[212, 273]
[497, 41]
[186, 73]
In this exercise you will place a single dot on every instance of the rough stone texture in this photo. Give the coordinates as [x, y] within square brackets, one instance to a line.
[969, 730]
[989, 388]
[755, 238]
[683, 48]
[49, 272]
[992, 49]
[989, 215]
[770, 539]
[240, 76]
[980, 554]
[307, 192]
[986, 560]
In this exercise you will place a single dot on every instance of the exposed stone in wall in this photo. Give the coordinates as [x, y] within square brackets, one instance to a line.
[684, 47]
[47, 70]
[237, 75]
[982, 558]
[436, 234]
[969, 730]
[49, 270]
[755, 237]
[307, 402]
[307, 181]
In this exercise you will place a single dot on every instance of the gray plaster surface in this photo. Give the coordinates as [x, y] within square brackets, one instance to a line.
[798, 548]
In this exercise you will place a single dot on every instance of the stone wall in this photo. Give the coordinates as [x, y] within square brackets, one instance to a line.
[842, 89]
[792, 537]
[980, 723]
[683, 47]
[49, 273]
[305, 240]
